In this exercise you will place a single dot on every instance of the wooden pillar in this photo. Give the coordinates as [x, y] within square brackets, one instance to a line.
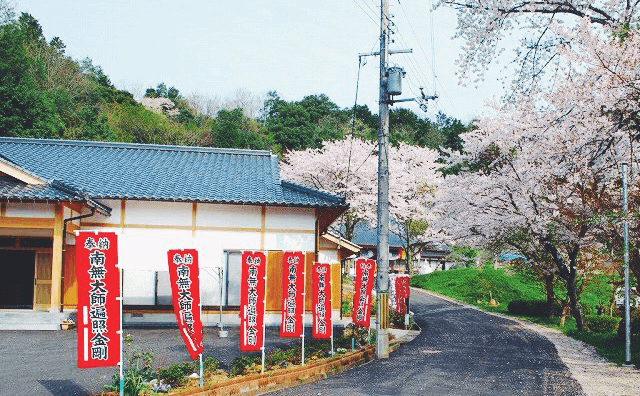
[56, 261]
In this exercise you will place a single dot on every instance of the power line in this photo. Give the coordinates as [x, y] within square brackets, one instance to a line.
[435, 78]
[366, 13]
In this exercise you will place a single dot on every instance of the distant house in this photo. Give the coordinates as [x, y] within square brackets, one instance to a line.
[219, 201]
[366, 237]
[433, 257]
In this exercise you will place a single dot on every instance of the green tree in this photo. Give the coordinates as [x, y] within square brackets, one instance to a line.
[303, 124]
[24, 110]
[232, 129]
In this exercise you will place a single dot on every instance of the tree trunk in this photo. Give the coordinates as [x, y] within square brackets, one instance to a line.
[551, 297]
[569, 275]
[573, 302]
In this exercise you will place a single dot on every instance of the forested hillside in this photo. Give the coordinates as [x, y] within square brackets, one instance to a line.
[44, 93]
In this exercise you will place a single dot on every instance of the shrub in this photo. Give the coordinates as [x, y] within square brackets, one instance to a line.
[240, 364]
[211, 364]
[357, 332]
[635, 325]
[601, 323]
[317, 349]
[536, 308]
[175, 374]
[396, 320]
[279, 356]
[136, 375]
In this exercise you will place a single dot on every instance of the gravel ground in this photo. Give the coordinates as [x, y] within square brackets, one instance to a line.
[596, 375]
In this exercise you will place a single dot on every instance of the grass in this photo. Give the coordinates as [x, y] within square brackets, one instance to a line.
[477, 286]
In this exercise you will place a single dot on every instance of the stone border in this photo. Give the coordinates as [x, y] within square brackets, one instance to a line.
[284, 378]
[596, 375]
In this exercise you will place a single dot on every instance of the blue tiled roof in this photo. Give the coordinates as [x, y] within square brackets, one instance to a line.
[157, 172]
[365, 235]
[12, 189]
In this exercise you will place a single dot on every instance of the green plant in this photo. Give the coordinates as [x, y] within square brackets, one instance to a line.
[279, 356]
[136, 375]
[347, 304]
[318, 349]
[240, 364]
[359, 333]
[175, 375]
[601, 323]
[211, 364]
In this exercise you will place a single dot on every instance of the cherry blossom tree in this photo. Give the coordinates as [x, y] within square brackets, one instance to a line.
[344, 167]
[488, 28]
[548, 162]
[349, 168]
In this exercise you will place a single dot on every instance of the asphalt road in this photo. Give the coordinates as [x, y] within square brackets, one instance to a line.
[461, 351]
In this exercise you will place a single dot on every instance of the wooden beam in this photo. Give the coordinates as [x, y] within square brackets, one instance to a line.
[19, 174]
[123, 211]
[26, 222]
[56, 260]
[75, 206]
[3, 209]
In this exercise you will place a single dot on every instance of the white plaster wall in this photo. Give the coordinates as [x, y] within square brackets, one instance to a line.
[289, 241]
[291, 218]
[143, 250]
[237, 216]
[146, 249]
[230, 240]
[159, 213]
[328, 256]
[34, 210]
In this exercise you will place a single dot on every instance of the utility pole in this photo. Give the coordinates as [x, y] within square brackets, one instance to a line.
[627, 315]
[382, 284]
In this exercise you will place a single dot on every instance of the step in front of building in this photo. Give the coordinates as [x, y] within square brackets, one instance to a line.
[31, 320]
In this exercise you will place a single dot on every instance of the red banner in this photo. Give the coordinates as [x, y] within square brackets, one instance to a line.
[365, 275]
[252, 290]
[99, 317]
[402, 293]
[185, 290]
[292, 291]
[321, 281]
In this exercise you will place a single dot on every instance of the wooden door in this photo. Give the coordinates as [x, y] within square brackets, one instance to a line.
[42, 283]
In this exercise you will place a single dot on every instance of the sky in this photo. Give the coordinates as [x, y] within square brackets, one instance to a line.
[296, 48]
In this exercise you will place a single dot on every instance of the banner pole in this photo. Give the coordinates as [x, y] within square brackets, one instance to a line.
[304, 300]
[121, 335]
[201, 321]
[264, 313]
[201, 373]
[331, 311]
